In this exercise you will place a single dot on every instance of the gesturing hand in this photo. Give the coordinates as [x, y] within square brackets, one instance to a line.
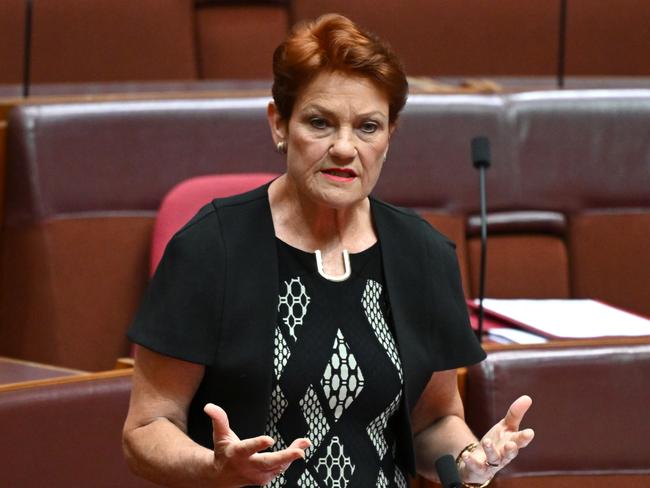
[240, 462]
[499, 445]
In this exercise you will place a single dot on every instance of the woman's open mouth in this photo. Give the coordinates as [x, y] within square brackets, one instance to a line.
[339, 174]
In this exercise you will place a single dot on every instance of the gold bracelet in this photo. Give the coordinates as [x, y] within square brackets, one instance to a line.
[469, 448]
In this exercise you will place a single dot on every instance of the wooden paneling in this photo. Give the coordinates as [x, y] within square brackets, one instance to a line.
[608, 37]
[460, 37]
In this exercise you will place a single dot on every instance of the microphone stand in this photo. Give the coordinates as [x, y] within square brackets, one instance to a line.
[561, 45]
[481, 285]
[27, 55]
[481, 161]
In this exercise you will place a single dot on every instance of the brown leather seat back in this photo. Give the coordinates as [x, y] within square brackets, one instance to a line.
[84, 182]
[66, 434]
[85, 179]
[580, 150]
[589, 412]
[587, 154]
[526, 258]
[429, 167]
[429, 164]
[610, 259]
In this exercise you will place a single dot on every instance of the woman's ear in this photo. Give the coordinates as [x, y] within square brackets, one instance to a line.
[391, 128]
[277, 124]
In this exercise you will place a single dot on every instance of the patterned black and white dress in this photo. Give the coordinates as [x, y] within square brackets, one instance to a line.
[337, 374]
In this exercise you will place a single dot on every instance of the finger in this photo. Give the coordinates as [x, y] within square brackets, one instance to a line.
[301, 443]
[248, 447]
[272, 461]
[474, 463]
[517, 411]
[523, 437]
[510, 451]
[220, 424]
[492, 455]
[282, 469]
[268, 476]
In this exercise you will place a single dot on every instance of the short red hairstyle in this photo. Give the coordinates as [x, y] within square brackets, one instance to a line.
[335, 43]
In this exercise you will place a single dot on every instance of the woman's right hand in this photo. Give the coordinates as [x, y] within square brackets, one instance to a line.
[241, 462]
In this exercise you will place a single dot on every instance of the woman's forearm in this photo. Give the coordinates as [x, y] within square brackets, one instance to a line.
[448, 435]
[164, 454]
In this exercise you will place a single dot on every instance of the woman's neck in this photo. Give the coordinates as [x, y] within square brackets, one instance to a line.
[309, 225]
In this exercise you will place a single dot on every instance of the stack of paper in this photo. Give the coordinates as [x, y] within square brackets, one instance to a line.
[508, 335]
[566, 319]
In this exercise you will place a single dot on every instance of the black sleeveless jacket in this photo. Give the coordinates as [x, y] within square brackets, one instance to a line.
[213, 301]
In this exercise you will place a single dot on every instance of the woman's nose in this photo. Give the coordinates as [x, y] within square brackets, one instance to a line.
[344, 145]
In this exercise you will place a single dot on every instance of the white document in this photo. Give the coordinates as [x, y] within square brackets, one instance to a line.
[570, 318]
[507, 335]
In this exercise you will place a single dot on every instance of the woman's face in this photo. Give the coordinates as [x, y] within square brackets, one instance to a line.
[337, 138]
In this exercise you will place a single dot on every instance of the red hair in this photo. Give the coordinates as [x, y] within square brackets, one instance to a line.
[335, 43]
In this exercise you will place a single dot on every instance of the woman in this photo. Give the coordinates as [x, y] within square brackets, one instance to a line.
[326, 325]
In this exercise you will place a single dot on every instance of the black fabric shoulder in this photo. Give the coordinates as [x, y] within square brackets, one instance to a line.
[407, 212]
[452, 342]
[258, 193]
[453, 332]
[182, 307]
[419, 224]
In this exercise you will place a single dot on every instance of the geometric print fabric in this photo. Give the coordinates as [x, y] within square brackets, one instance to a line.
[293, 305]
[342, 379]
[333, 460]
[372, 309]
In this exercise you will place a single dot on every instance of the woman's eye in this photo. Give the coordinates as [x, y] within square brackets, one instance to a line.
[318, 123]
[369, 127]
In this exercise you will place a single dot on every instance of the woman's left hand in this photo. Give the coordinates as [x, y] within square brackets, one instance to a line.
[499, 445]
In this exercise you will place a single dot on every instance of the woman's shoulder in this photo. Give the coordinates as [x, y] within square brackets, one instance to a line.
[410, 223]
[257, 195]
[202, 223]
[206, 220]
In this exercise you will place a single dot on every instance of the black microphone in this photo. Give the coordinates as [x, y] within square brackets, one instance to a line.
[481, 161]
[448, 472]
